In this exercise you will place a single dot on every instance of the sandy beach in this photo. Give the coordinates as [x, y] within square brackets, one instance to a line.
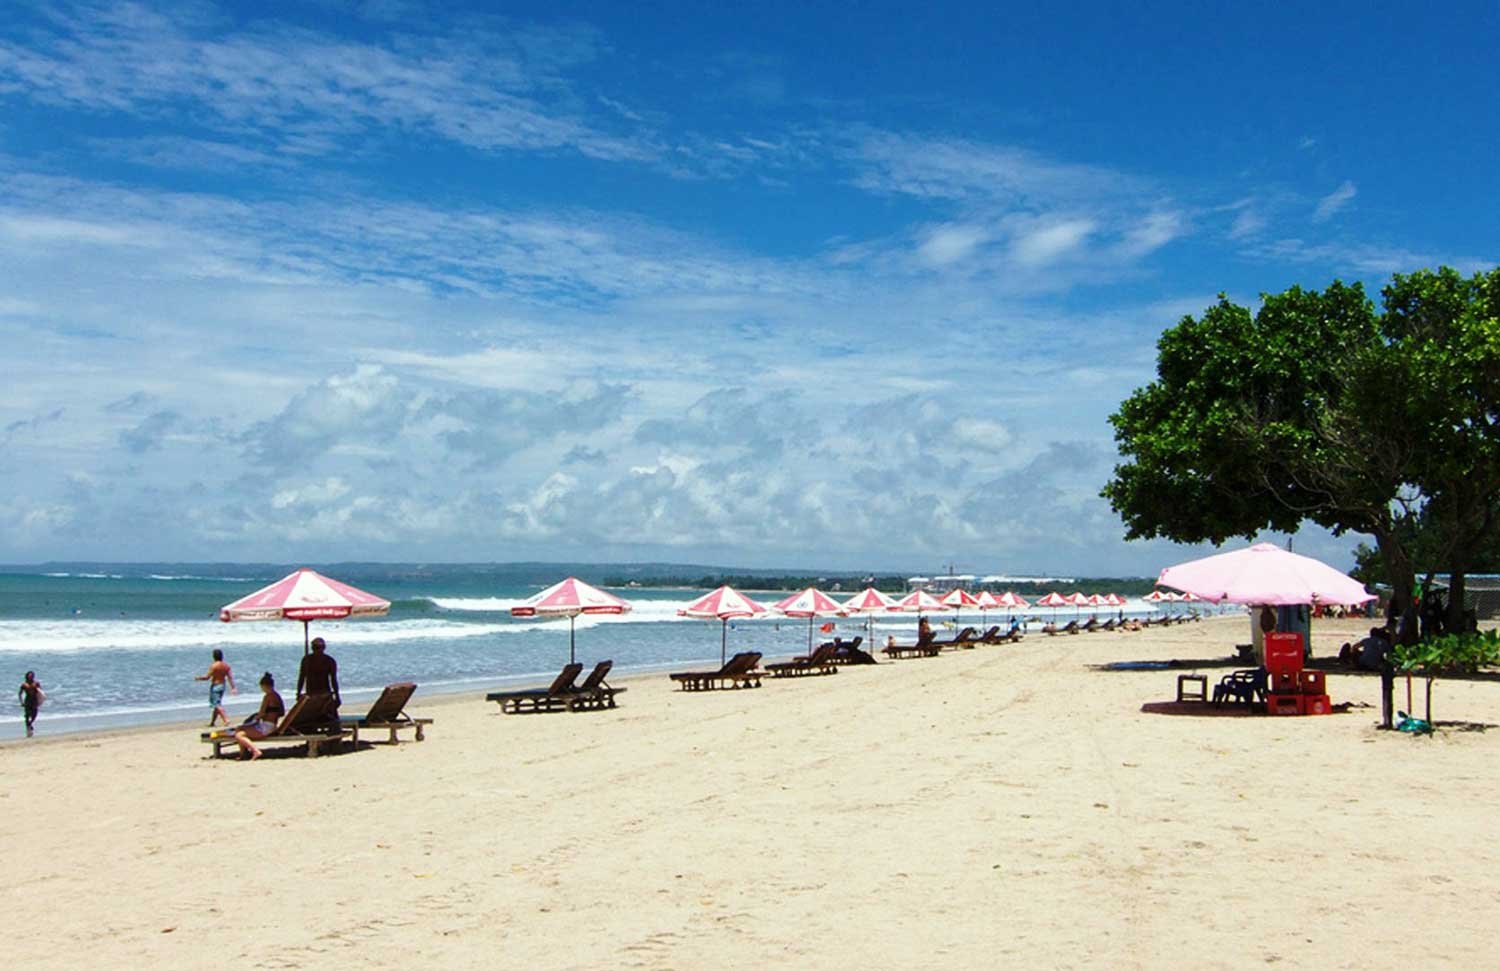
[997, 804]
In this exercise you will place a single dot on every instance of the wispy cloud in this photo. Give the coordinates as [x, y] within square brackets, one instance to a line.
[1336, 200]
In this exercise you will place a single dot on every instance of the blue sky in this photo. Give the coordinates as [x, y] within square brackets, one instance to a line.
[828, 285]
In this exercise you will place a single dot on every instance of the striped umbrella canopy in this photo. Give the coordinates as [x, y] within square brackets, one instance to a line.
[305, 595]
[810, 603]
[869, 602]
[1079, 601]
[1114, 600]
[1012, 601]
[569, 598]
[986, 602]
[920, 602]
[958, 598]
[724, 604]
[1053, 600]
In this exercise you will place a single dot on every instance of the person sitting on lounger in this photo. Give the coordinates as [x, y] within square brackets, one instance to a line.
[263, 722]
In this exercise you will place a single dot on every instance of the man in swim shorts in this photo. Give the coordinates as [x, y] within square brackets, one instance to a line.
[218, 677]
[319, 674]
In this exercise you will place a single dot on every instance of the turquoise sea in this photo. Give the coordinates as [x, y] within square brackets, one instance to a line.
[119, 646]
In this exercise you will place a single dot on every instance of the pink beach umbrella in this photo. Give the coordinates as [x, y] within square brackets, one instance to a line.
[869, 602]
[724, 604]
[569, 598]
[958, 598]
[305, 595]
[987, 602]
[1053, 600]
[810, 603]
[1079, 601]
[919, 602]
[1012, 601]
[1264, 574]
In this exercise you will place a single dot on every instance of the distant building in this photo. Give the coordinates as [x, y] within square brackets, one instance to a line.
[941, 585]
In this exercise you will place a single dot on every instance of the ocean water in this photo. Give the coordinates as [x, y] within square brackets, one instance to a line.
[122, 648]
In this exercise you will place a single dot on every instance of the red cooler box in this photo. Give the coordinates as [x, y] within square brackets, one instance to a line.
[1284, 654]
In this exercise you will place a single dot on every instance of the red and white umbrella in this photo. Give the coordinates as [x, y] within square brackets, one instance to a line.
[810, 603]
[986, 602]
[958, 598]
[724, 604]
[1012, 601]
[305, 595]
[919, 601]
[1079, 601]
[869, 602]
[1053, 600]
[569, 598]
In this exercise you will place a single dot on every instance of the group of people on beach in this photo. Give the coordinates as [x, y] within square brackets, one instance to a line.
[318, 674]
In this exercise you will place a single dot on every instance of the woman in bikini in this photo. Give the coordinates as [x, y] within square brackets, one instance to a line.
[264, 723]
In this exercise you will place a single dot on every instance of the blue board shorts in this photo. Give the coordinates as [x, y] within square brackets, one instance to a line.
[216, 695]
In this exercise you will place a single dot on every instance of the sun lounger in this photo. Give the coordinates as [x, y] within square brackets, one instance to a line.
[1071, 627]
[924, 647]
[1012, 635]
[538, 699]
[848, 652]
[595, 692]
[738, 672]
[1108, 624]
[962, 639]
[388, 713]
[819, 661]
[1091, 625]
[313, 721]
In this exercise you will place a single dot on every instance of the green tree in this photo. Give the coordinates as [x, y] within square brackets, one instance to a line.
[1316, 408]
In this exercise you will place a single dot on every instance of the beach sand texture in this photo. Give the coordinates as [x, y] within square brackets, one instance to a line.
[986, 806]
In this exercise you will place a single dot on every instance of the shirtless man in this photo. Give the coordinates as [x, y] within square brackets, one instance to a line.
[319, 674]
[217, 677]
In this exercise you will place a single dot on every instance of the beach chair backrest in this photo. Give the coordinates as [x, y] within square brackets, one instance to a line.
[596, 676]
[822, 655]
[742, 663]
[392, 702]
[293, 715]
[565, 678]
[854, 644]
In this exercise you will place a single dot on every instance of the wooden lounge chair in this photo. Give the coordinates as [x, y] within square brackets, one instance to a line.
[313, 721]
[595, 692]
[819, 661]
[924, 647]
[961, 639]
[1010, 636]
[990, 636]
[737, 672]
[1108, 624]
[538, 699]
[848, 652]
[388, 713]
[1091, 625]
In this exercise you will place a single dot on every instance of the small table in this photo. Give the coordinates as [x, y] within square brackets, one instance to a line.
[1192, 687]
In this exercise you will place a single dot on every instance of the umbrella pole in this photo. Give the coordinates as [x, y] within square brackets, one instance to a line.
[723, 640]
[571, 656]
[306, 649]
[809, 633]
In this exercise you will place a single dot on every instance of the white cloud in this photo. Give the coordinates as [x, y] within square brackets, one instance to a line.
[1334, 201]
[945, 245]
[1048, 241]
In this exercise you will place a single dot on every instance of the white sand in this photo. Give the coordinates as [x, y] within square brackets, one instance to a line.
[964, 811]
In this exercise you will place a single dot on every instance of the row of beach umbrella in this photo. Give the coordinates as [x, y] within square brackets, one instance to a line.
[306, 595]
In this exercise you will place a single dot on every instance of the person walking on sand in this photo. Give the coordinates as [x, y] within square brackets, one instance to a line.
[217, 677]
[31, 695]
[319, 674]
[272, 710]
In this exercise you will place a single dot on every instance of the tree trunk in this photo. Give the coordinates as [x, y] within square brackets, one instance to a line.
[1402, 576]
[1456, 620]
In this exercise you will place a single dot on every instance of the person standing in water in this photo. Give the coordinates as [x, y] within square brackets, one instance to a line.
[217, 677]
[31, 695]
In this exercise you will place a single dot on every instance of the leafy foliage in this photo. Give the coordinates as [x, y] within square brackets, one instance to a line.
[1449, 654]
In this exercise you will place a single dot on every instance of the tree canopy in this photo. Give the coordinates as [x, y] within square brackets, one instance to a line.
[1317, 407]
